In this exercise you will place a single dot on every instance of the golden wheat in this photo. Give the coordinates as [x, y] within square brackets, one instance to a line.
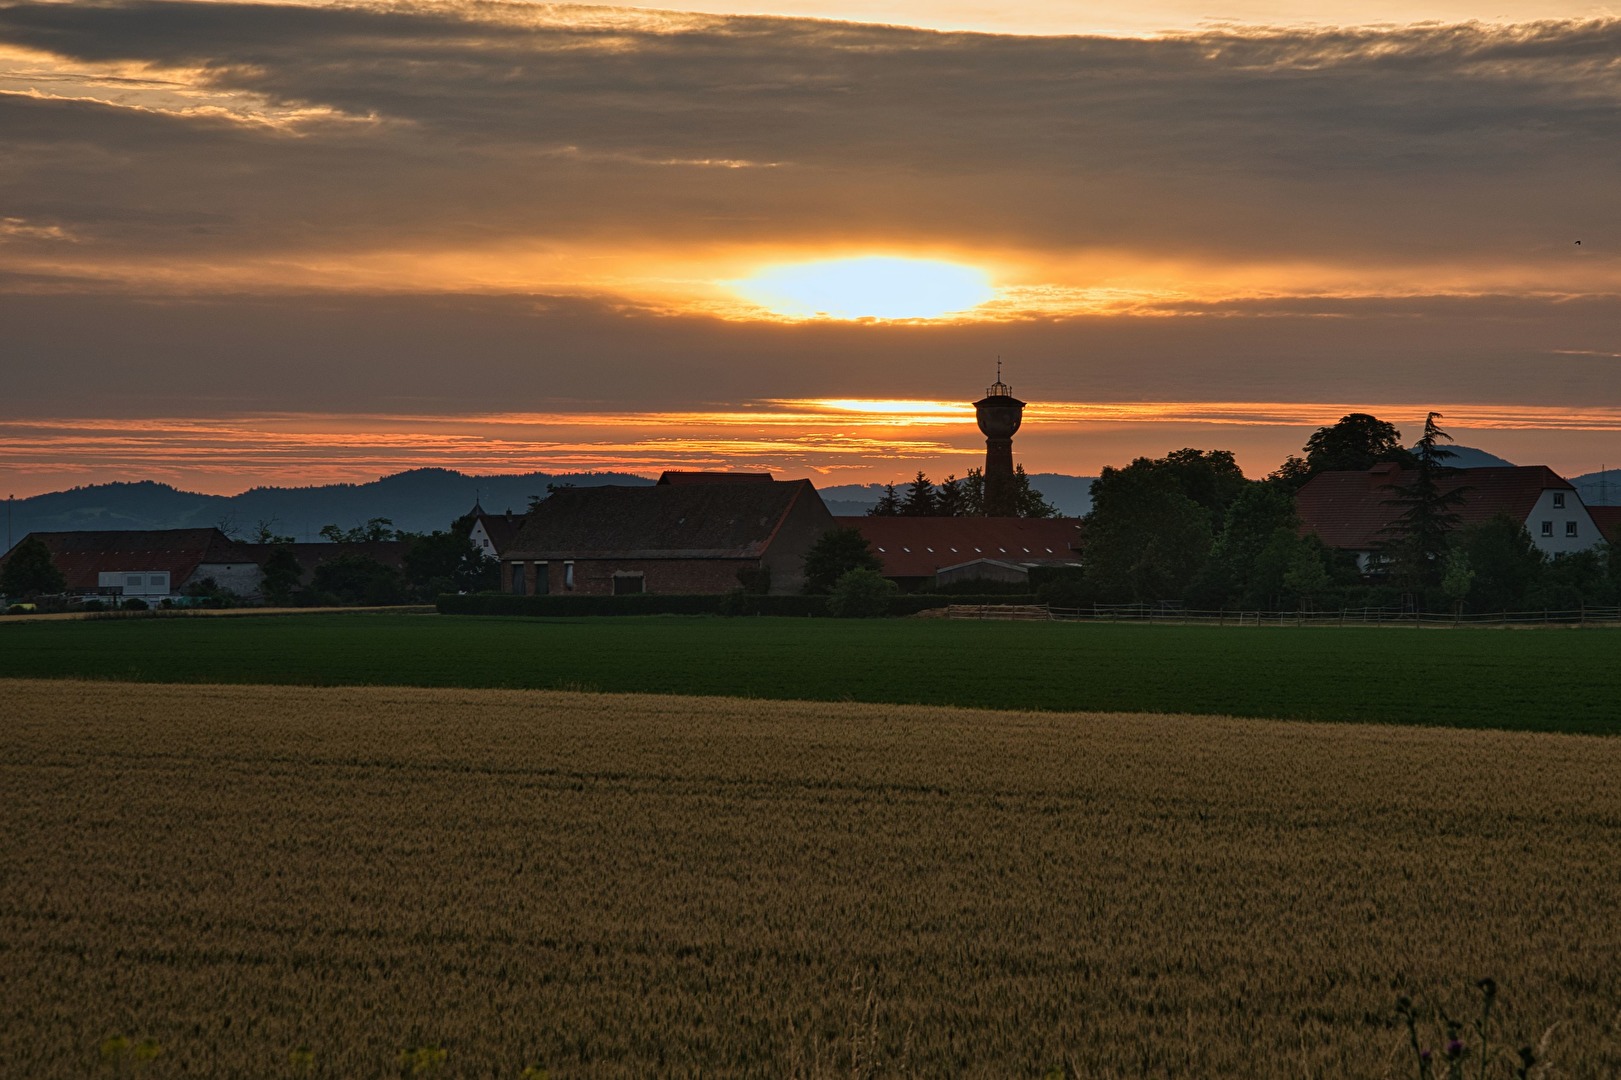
[371, 882]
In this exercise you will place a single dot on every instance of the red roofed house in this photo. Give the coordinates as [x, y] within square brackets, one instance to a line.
[150, 563]
[493, 534]
[1608, 520]
[680, 536]
[920, 551]
[1351, 510]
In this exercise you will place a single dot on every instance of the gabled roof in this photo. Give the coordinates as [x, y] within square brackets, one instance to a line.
[1351, 510]
[920, 546]
[1608, 520]
[502, 529]
[83, 556]
[671, 521]
[678, 476]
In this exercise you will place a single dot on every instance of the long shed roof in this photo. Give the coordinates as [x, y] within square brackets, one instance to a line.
[919, 546]
[709, 520]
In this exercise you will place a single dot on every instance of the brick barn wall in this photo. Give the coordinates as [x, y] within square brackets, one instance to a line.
[669, 577]
[804, 524]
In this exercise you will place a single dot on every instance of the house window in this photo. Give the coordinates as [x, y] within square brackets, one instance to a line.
[627, 584]
[1570, 528]
[543, 579]
[517, 578]
[568, 575]
[1547, 528]
[1559, 500]
[132, 582]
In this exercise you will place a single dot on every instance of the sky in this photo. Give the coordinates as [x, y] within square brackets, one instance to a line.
[294, 243]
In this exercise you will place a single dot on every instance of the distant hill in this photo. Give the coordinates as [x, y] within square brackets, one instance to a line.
[1468, 457]
[1601, 488]
[419, 500]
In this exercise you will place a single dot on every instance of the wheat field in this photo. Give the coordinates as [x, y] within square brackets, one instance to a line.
[268, 882]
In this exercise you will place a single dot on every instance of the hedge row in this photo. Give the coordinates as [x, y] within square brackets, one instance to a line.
[554, 604]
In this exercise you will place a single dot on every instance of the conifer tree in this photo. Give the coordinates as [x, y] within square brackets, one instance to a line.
[888, 506]
[948, 497]
[919, 501]
[1418, 538]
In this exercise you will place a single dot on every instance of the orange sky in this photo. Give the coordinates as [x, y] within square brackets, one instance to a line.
[246, 243]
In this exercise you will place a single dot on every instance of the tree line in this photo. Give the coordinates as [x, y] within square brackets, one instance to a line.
[954, 497]
[1189, 528]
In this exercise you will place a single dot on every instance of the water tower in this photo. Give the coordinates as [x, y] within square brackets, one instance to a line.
[999, 414]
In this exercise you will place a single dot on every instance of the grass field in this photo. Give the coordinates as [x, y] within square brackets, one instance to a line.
[273, 882]
[1549, 680]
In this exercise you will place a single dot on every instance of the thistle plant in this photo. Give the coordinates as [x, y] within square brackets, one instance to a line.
[1450, 1055]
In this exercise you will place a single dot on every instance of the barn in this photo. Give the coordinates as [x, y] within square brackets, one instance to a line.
[689, 534]
[920, 552]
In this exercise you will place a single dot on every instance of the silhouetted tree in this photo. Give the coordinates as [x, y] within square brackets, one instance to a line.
[973, 493]
[1027, 501]
[948, 498]
[1507, 564]
[30, 571]
[265, 533]
[861, 594]
[449, 562]
[1417, 540]
[887, 506]
[919, 501]
[358, 579]
[835, 554]
[1356, 442]
[280, 574]
[1144, 539]
[375, 530]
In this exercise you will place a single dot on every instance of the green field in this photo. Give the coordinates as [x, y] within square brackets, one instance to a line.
[1544, 680]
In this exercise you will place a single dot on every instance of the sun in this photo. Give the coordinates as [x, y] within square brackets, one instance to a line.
[870, 287]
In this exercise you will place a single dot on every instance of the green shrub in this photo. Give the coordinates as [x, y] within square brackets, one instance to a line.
[861, 594]
[569, 605]
[135, 603]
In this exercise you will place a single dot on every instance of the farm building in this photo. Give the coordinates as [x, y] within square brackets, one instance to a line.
[155, 564]
[921, 551]
[150, 564]
[493, 534]
[679, 536]
[1352, 511]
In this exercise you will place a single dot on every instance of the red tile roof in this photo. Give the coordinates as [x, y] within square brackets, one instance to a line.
[502, 529]
[677, 476]
[707, 520]
[918, 546]
[1608, 520]
[1351, 510]
[84, 556]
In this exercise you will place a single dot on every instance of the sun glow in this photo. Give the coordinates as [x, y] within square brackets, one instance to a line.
[872, 287]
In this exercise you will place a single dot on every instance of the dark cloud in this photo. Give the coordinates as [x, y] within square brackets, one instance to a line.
[118, 355]
[443, 125]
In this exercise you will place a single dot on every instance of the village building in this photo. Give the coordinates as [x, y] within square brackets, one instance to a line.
[492, 534]
[920, 552]
[161, 564]
[1608, 520]
[691, 533]
[1354, 511]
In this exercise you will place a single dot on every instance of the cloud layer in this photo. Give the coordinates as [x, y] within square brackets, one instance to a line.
[465, 208]
[311, 133]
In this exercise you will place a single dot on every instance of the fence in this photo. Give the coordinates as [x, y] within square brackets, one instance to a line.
[1368, 616]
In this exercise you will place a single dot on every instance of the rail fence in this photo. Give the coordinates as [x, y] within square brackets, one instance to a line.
[1366, 616]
